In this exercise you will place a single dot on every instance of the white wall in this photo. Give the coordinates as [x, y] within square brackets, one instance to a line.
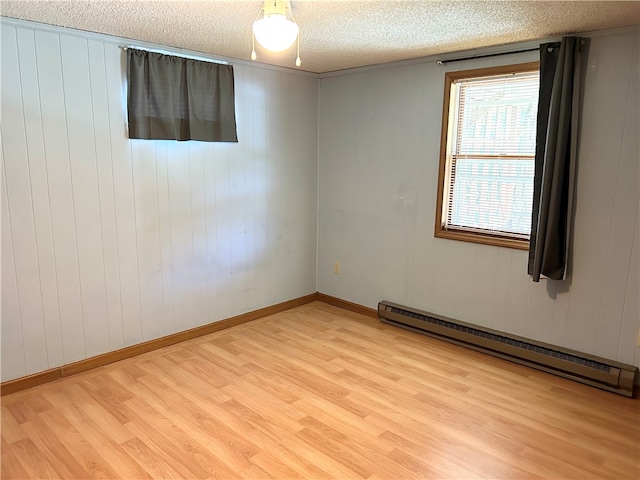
[108, 242]
[379, 145]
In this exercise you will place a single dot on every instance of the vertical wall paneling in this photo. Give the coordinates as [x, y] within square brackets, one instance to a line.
[54, 126]
[104, 168]
[260, 180]
[460, 280]
[369, 157]
[248, 99]
[425, 288]
[517, 298]
[123, 197]
[627, 351]
[440, 286]
[181, 233]
[12, 343]
[500, 298]
[540, 302]
[222, 226]
[211, 293]
[199, 222]
[247, 292]
[108, 242]
[560, 310]
[621, 231]
[164, 224]
[86, 201]
[609, 65]
[423, 261]
[275, 239]
[237, 205]
[19, 199]
[40, 194]
[484, 283]
[143, 161]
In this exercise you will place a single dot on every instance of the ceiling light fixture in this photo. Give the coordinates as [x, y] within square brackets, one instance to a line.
[274, 31]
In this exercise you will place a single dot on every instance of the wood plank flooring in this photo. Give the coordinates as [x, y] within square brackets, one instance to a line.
[318, 392]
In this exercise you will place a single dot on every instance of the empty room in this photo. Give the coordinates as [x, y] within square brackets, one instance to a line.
[320, 239]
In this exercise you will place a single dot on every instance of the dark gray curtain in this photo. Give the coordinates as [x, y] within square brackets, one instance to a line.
[555, 160]
[176, 98]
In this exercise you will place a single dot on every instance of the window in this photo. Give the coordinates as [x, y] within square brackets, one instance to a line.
[485, 189]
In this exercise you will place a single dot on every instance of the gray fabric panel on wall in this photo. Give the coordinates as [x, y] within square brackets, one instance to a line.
[176, 98]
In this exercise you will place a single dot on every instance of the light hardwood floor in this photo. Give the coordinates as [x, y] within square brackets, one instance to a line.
[318, 392]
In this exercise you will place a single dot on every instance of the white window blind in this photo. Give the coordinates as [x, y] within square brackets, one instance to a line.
[492, 146]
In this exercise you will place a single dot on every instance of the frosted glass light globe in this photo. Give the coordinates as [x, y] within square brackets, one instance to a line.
[274, 32]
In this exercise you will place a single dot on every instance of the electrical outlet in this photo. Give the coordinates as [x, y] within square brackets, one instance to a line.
[336, 267]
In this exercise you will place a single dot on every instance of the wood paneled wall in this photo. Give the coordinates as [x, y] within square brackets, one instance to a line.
[379, 143]
[108, 242]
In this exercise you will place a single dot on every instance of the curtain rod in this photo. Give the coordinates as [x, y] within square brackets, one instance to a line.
[175, 54]
[442, 62]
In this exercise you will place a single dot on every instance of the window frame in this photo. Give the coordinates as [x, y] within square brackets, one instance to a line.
[444, 168]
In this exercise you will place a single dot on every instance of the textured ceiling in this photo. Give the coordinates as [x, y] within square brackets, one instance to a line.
[335, 35]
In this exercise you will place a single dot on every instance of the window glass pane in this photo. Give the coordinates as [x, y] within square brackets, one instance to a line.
[497, 116]
[492, 194]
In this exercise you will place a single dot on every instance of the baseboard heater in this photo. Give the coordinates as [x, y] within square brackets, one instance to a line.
[591, 370]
